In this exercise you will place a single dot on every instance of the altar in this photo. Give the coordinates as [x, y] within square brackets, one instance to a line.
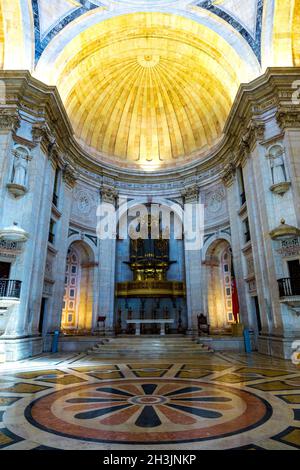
[161, 321]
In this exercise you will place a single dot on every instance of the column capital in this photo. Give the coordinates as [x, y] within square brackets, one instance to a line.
[9, 120]
[253, 133]
[288, 117]
[42, 135]
[108, 194]
[69, 175]
[228, 174]
[191, 194]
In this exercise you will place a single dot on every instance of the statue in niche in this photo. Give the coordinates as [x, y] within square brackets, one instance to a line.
[20, 167]
[277, 164]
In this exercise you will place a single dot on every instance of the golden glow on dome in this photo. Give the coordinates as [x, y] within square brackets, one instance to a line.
[1, 38]
[296, 34]
[148, 88]
[286, 33]
[14, 53]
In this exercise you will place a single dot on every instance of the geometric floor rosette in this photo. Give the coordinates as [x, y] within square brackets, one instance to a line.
[221, 401]
[168, 410]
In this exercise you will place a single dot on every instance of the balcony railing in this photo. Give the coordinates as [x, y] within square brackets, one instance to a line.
[289, 286]
[10, 288]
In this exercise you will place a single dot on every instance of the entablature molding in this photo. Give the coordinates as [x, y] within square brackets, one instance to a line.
[243, 130]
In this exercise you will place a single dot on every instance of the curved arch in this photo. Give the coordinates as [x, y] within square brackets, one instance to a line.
[22, 149]
[275, 150]
[90, 248]
[77, 313]
[212, 242]
[90, 19]
[217, 261]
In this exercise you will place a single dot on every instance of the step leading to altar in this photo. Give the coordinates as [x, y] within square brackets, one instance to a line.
[137, 347]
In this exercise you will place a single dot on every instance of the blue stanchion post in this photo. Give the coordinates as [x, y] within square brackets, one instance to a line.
[247, 341]
[55, 341]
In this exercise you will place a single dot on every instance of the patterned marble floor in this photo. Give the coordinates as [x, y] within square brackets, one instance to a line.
[219, 401]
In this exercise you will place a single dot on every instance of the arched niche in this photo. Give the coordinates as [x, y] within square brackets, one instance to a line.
[217, 259]
[77, 313]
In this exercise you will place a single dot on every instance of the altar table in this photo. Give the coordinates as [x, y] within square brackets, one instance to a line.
[160, 321]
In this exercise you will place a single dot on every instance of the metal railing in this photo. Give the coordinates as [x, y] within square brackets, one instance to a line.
[289, 286]
[10, 288]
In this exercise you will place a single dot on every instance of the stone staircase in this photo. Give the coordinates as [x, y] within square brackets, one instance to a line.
[149, 347]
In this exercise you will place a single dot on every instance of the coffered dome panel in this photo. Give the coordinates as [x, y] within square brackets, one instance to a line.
[148, 89]
[148, 83]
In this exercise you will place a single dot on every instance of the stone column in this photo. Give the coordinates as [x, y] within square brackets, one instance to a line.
[192, 270]
[34, 209]
[288, 119]
[55, 303]
[107, 268]
[233, 197]
[9, 122]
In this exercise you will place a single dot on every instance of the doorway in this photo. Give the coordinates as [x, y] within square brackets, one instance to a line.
[77, 310]
[294, 270]
[4, 270]
[42, 315]
[257, 312]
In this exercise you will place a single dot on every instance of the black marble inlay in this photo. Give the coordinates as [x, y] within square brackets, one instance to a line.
[206, 399]
[45, 448]
[297, 414]
[184, 390]
[148, 418]
[103, 411]
[253, 41]
[114, 391]
[197, 411]
[149, 388]
[93, 400]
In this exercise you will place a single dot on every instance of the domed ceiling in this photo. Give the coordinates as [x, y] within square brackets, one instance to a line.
[149, 83]
[148, 87]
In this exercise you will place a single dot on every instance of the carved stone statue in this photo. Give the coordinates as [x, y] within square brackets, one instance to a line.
[277, 164]
[20, 166]
[19, 177]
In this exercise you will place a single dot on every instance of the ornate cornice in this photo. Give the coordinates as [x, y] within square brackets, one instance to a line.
[255, 102]
[288, 117]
